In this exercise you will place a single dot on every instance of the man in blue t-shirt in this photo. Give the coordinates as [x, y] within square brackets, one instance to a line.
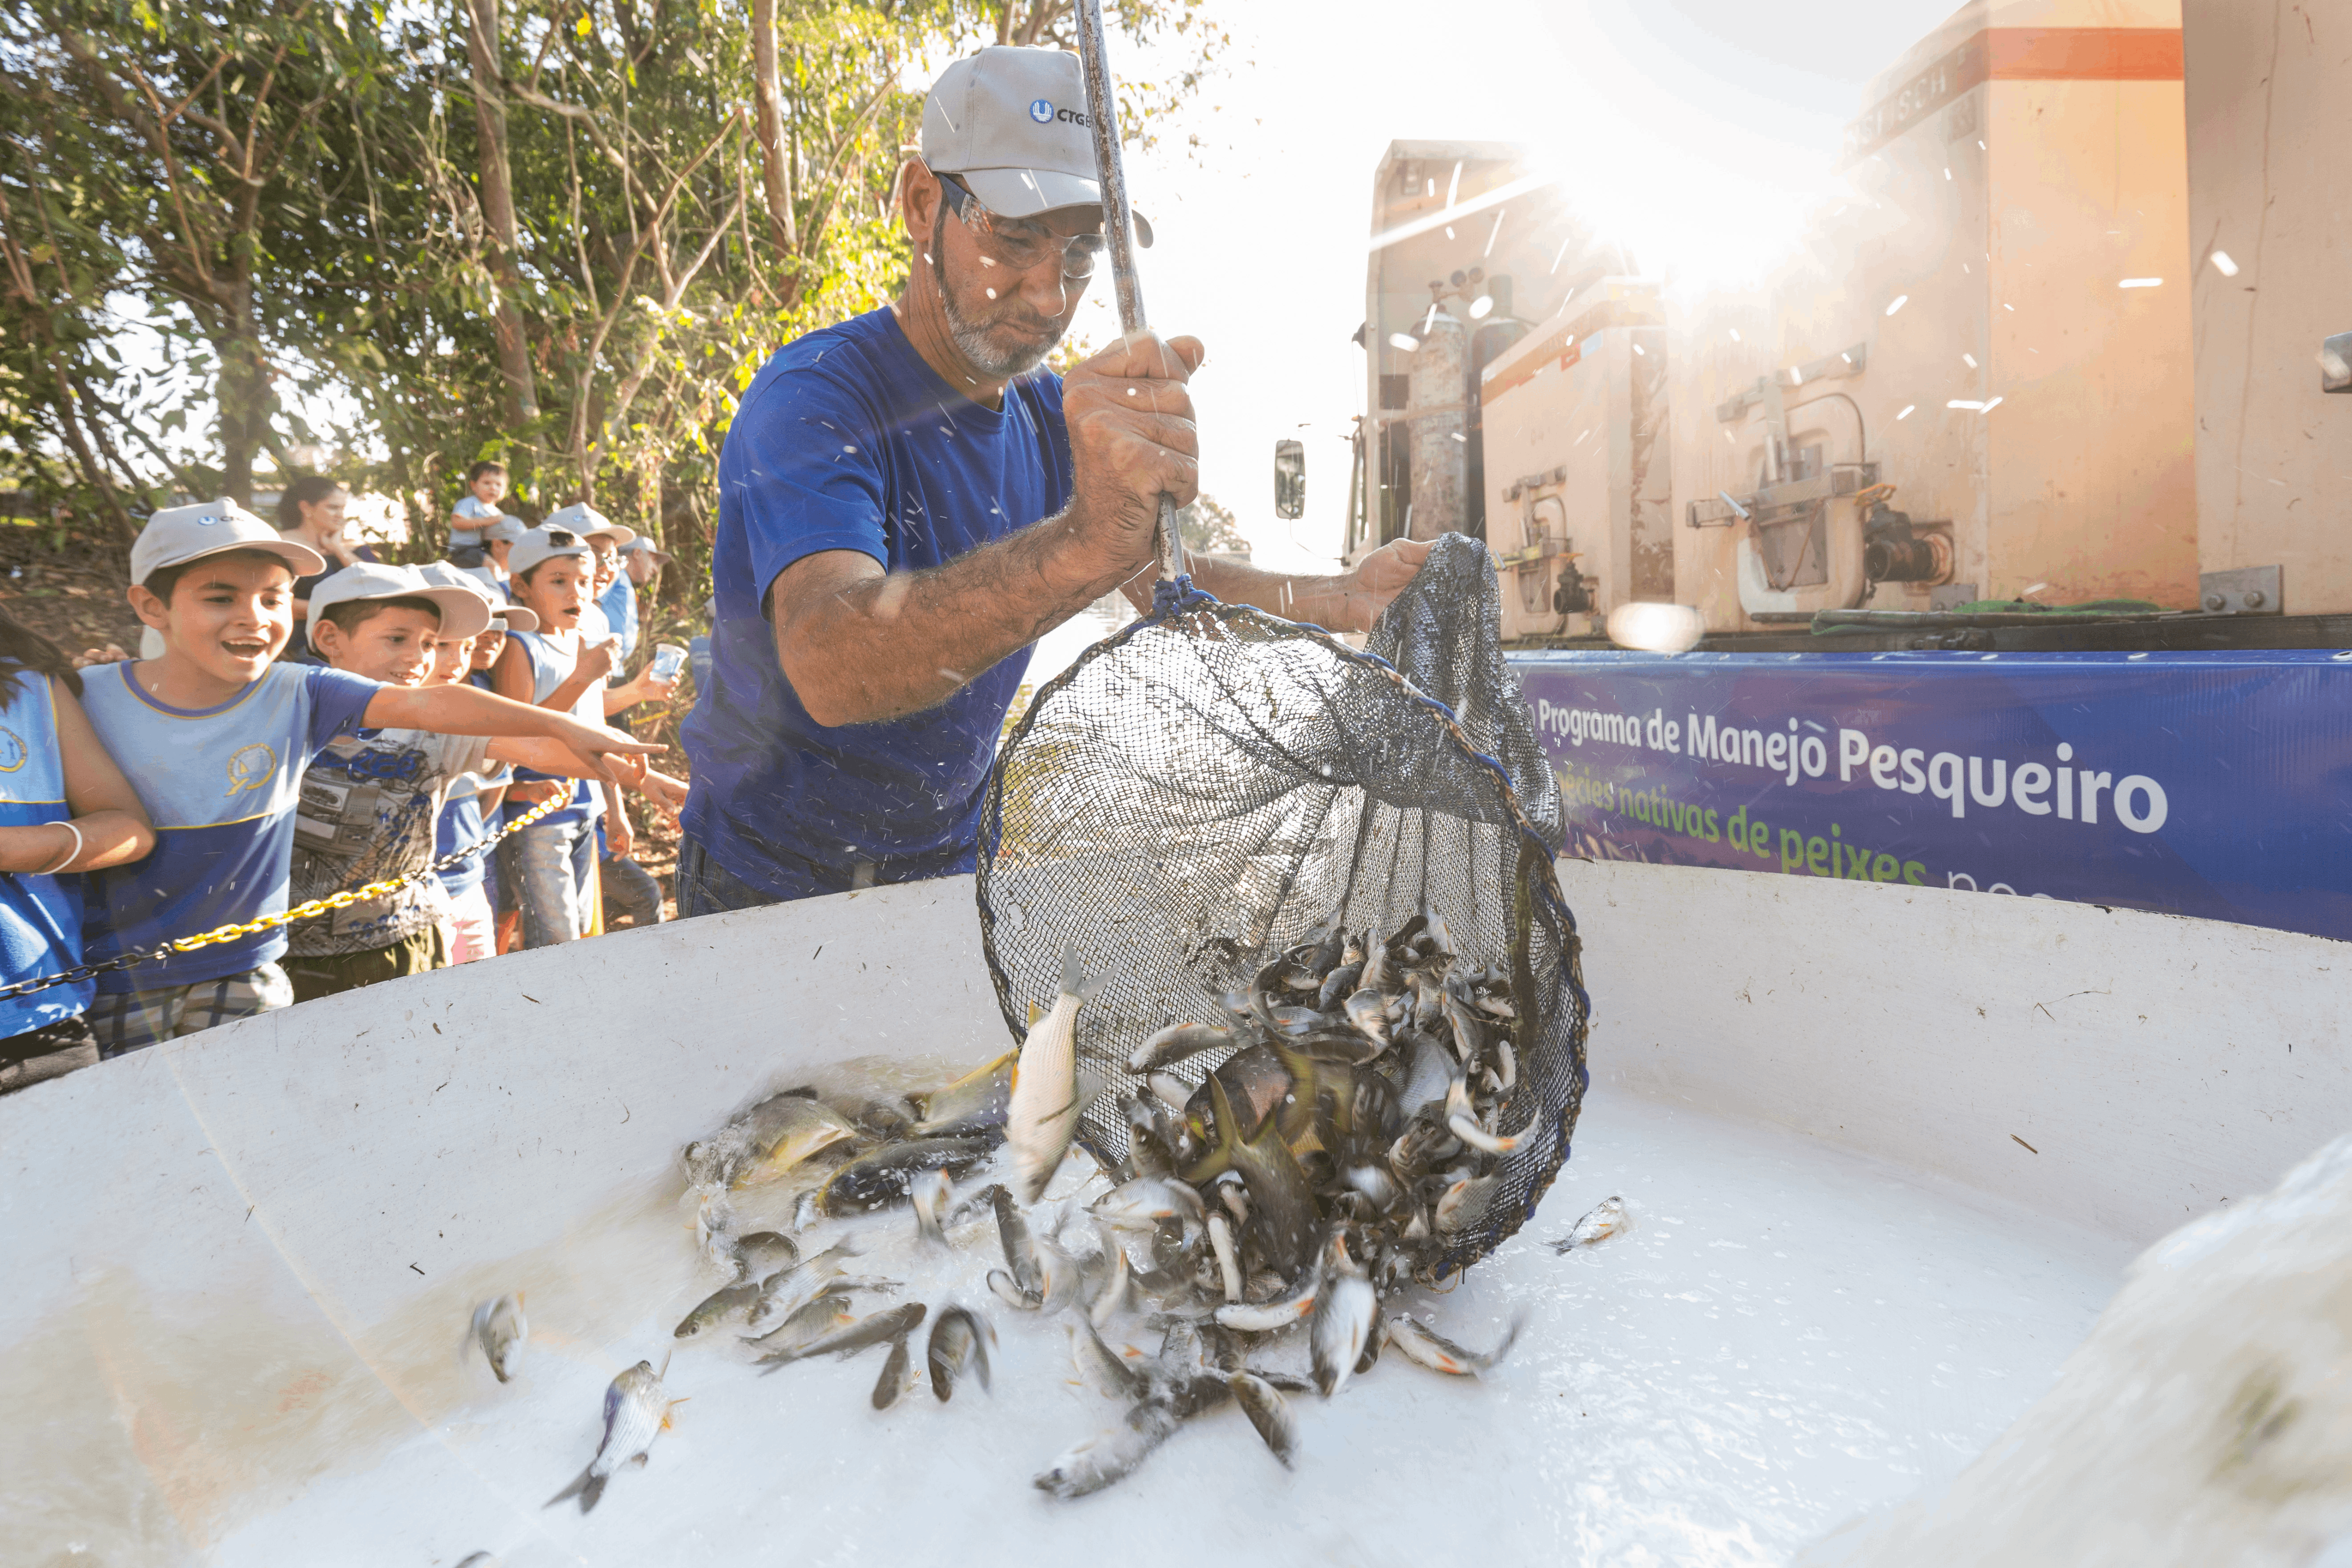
[908, 502]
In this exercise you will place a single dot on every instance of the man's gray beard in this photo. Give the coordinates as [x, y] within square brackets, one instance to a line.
[971, 342]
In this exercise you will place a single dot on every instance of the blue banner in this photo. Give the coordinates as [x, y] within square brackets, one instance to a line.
[2218, 785]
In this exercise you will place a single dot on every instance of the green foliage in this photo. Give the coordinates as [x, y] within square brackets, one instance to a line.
[213, 215]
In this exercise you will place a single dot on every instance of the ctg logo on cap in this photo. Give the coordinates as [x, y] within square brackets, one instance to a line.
[1042, 112]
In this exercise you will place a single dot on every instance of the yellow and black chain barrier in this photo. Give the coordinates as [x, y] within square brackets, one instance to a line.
[336, 900]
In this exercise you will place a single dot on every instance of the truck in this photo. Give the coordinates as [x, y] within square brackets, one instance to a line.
[2057, 375]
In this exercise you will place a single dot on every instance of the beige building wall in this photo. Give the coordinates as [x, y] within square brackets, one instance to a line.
[2270, 185]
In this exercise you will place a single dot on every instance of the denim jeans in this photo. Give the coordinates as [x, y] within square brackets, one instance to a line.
[631, 892]
[555, 863]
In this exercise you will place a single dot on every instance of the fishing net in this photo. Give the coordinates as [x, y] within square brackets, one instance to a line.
[1212, 785]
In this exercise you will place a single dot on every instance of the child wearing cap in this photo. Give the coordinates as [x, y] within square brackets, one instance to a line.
[65, 807]
[471, 806]
[214, 739]
[486, 487]
[497, 537]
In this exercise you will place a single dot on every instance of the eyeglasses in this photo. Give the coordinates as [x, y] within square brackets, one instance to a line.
[1020, 242]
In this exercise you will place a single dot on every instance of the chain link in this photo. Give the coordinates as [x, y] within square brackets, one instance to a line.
[336, 900]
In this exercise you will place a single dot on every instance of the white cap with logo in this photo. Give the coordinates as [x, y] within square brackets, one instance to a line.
[585, 520]
[441, 575]
[544, 543]
[1011, 124]
[463, 611]
[179, 534]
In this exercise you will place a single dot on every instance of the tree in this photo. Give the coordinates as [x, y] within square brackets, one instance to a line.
[1208, 524]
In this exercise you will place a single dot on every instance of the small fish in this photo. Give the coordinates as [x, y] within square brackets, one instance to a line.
[1113, 1294]
[973, 1106]
[1267, 1411]
[1338, 985]
[1012, 1236]
[1059, 1278]
[637, 1408]
[785, 1129]
[1368, 1010]
[721, 1306]
[959, 1343]
[847, 1340]
[1463, 1122]
[1605, 1219]
[933, 1191]
[1044, 1106]
[763, 1252]
[1143, 1203]
[894, 1378]
[1280, 1197]
[1102, 1366]
[1432, 1072]
[1099, 1461]
[479, 1560]
[1375, 1183]
[1464, 1204]
[1008, 1291]
[1172, 1092]
[821, 1316]
[1345, 1311]
[787, 1290]
[1264, 1316]
[1425, 1346]
[501, 1330]
[1229, 1265]
[1174, 1043]
[884, 1177]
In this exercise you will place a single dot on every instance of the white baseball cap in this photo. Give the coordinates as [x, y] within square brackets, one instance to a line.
[588, 522]
[641, 546]
[545, 544]
[465, 612]
[1012, 123]
[508, 529]
[441, 575]
[178, 534]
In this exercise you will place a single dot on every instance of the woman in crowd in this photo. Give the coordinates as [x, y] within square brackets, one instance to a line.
[312, 511]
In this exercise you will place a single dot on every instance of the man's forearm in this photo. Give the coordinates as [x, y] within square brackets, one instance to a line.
[1325, 602]
[884, 647]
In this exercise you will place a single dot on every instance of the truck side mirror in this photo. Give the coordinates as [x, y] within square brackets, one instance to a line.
[1289, 479]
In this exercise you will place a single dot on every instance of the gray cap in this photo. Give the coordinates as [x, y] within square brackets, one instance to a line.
[177, 534]
[507, 529]
[586, 522]
[1011, 124]
[465, 611]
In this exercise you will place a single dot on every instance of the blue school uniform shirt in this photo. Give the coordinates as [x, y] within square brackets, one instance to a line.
[221, 784]
[40, 917]
[550, 667]
[620, 607]
[847, 441]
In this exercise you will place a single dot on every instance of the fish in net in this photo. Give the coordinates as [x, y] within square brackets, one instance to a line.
[1317, 887]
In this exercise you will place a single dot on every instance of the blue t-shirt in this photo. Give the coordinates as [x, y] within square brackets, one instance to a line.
[847, 441]
[459, 824]
[40, 917]
[221, 784]
[620, 607]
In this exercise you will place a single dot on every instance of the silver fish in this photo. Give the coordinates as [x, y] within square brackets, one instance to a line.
[1101, 1460]
[1174, 1043]
[1605, 1219]
[820, 1315]
[894, 1378]
[787, 1292]
[728, 1303]
[1431, 1071]
[1059, 1277]
[1375, 1183]
[501, 1329]
[763, 1253]
[1143, 1203]
[1008, 1291]
[1174, 1092]
[1264, 1316]
[1463, 1122]
[851, 1338]
[1117, 1279]
[958, 1342]
[1046, 1102]
[1368, 1010]
[1229, 1266]
[1425, 1346]
[637, 1408]
[1102, 1366]
[1464, 1204]
[1346, 1311]
[1338, 985]
[1267, 1411]
[932, 1193]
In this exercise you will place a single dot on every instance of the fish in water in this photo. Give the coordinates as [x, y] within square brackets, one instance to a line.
[1282, 1204]
[1267, 1411]
[637, 1408]
[1463, 1122]
[1102, 1366]
[1113, 1456]
[787, 1290]
[885, 1177]
[895, 1370]
[1425, 1346]
[1345, 1311]
[959, 1344]
[763, 1252]
[785, 1129]
[1605, 1219]
[1045, 1107]
[821, 1316]
[848, 1340]
[1268, 1316]
[972, 1107]
[723, 1305]
[501, 1329]
[932, 1191]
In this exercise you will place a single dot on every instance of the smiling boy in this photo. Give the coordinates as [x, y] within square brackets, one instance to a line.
[215, 739]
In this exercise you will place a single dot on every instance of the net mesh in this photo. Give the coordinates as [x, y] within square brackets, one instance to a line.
[1206, 787]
